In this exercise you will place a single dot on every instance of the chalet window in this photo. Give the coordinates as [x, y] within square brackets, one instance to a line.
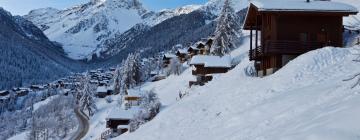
[303, 37]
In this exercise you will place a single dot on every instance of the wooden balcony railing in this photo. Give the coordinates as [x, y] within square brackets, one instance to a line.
[291, 47]
[283, 47]
[255, 54]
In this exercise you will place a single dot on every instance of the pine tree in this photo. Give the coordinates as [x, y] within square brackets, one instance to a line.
[87, 93]
[227, 31]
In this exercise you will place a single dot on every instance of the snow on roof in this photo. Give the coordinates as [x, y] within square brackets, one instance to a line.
[134, 93]
[302, 5]
[194, 48]
[101, 89]
[169, 56]
[119, 113]
[123, 127]
[212, 61]
[182, 51]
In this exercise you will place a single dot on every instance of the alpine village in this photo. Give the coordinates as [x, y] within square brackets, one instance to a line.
[224, 70]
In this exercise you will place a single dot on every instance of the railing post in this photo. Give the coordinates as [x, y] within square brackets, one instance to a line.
[251, 43]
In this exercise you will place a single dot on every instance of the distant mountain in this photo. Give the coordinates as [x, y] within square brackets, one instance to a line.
[82, 28]
[181, 29]
[27, 56]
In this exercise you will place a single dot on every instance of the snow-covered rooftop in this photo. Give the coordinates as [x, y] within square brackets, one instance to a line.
[182, 51]
[302, 5]
[101, 89]
[134, 93]
[119, 113]
[212, 61]
[170, 55]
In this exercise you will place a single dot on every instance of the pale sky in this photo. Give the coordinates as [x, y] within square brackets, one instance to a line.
[22, 7]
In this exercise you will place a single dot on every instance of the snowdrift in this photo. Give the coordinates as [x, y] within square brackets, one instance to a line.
[307, 99]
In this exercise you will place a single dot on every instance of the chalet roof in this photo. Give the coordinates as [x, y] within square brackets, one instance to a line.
[302, 5]
[118, 113]
[169, 56]
[182, 51]
[134, 93]
[193, 48]
[212, 61]
[101, 89]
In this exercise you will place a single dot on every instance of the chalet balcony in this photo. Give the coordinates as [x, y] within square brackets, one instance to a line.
[255, 54]
[283, 47]
[291, 47]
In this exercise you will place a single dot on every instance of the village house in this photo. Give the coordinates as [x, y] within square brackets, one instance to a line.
[192, 51]
[182, 55]
[119, 119]
[101, 92]
[288, 28]
[131, 98]
[204, 66]
[4, 93]
[167, 58]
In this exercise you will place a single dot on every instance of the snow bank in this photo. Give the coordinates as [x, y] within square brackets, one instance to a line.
[307, 99]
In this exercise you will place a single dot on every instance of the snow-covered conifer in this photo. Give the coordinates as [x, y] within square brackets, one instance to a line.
[227, 31]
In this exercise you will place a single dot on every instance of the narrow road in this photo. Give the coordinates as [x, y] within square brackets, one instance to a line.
[83, 125]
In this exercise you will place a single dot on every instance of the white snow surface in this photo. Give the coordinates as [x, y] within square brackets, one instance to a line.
[119, 113]
[305, 100]
[302, 5]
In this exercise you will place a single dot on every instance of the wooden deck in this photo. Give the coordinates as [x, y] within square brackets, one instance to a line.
[284, 48]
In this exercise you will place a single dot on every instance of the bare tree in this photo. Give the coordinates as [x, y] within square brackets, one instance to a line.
[355, 76]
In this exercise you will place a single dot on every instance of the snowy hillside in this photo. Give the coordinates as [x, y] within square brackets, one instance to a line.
[27, 55]
[307, 99]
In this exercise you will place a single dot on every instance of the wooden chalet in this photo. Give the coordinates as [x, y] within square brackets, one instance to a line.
[167, 58]
[205, 65]
[131, 98]
[192, 51]
[201, 47]
[119, 119]
[182, 54]
[285, 29]
[101, 92]
[4, 93]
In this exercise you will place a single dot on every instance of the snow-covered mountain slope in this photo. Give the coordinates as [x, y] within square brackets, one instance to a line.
[153, 18]
[307, 99]
[88, 29]
[214, 6]
[27, 56]
[82, 27]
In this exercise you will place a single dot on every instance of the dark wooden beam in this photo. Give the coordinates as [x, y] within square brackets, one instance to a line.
[251, 42]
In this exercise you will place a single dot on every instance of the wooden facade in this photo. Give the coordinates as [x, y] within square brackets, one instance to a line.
[193, 51]
[278, 36]
[114, 123]
[182, 56]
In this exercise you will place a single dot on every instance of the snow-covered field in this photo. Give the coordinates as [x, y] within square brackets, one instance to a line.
[307, 99]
